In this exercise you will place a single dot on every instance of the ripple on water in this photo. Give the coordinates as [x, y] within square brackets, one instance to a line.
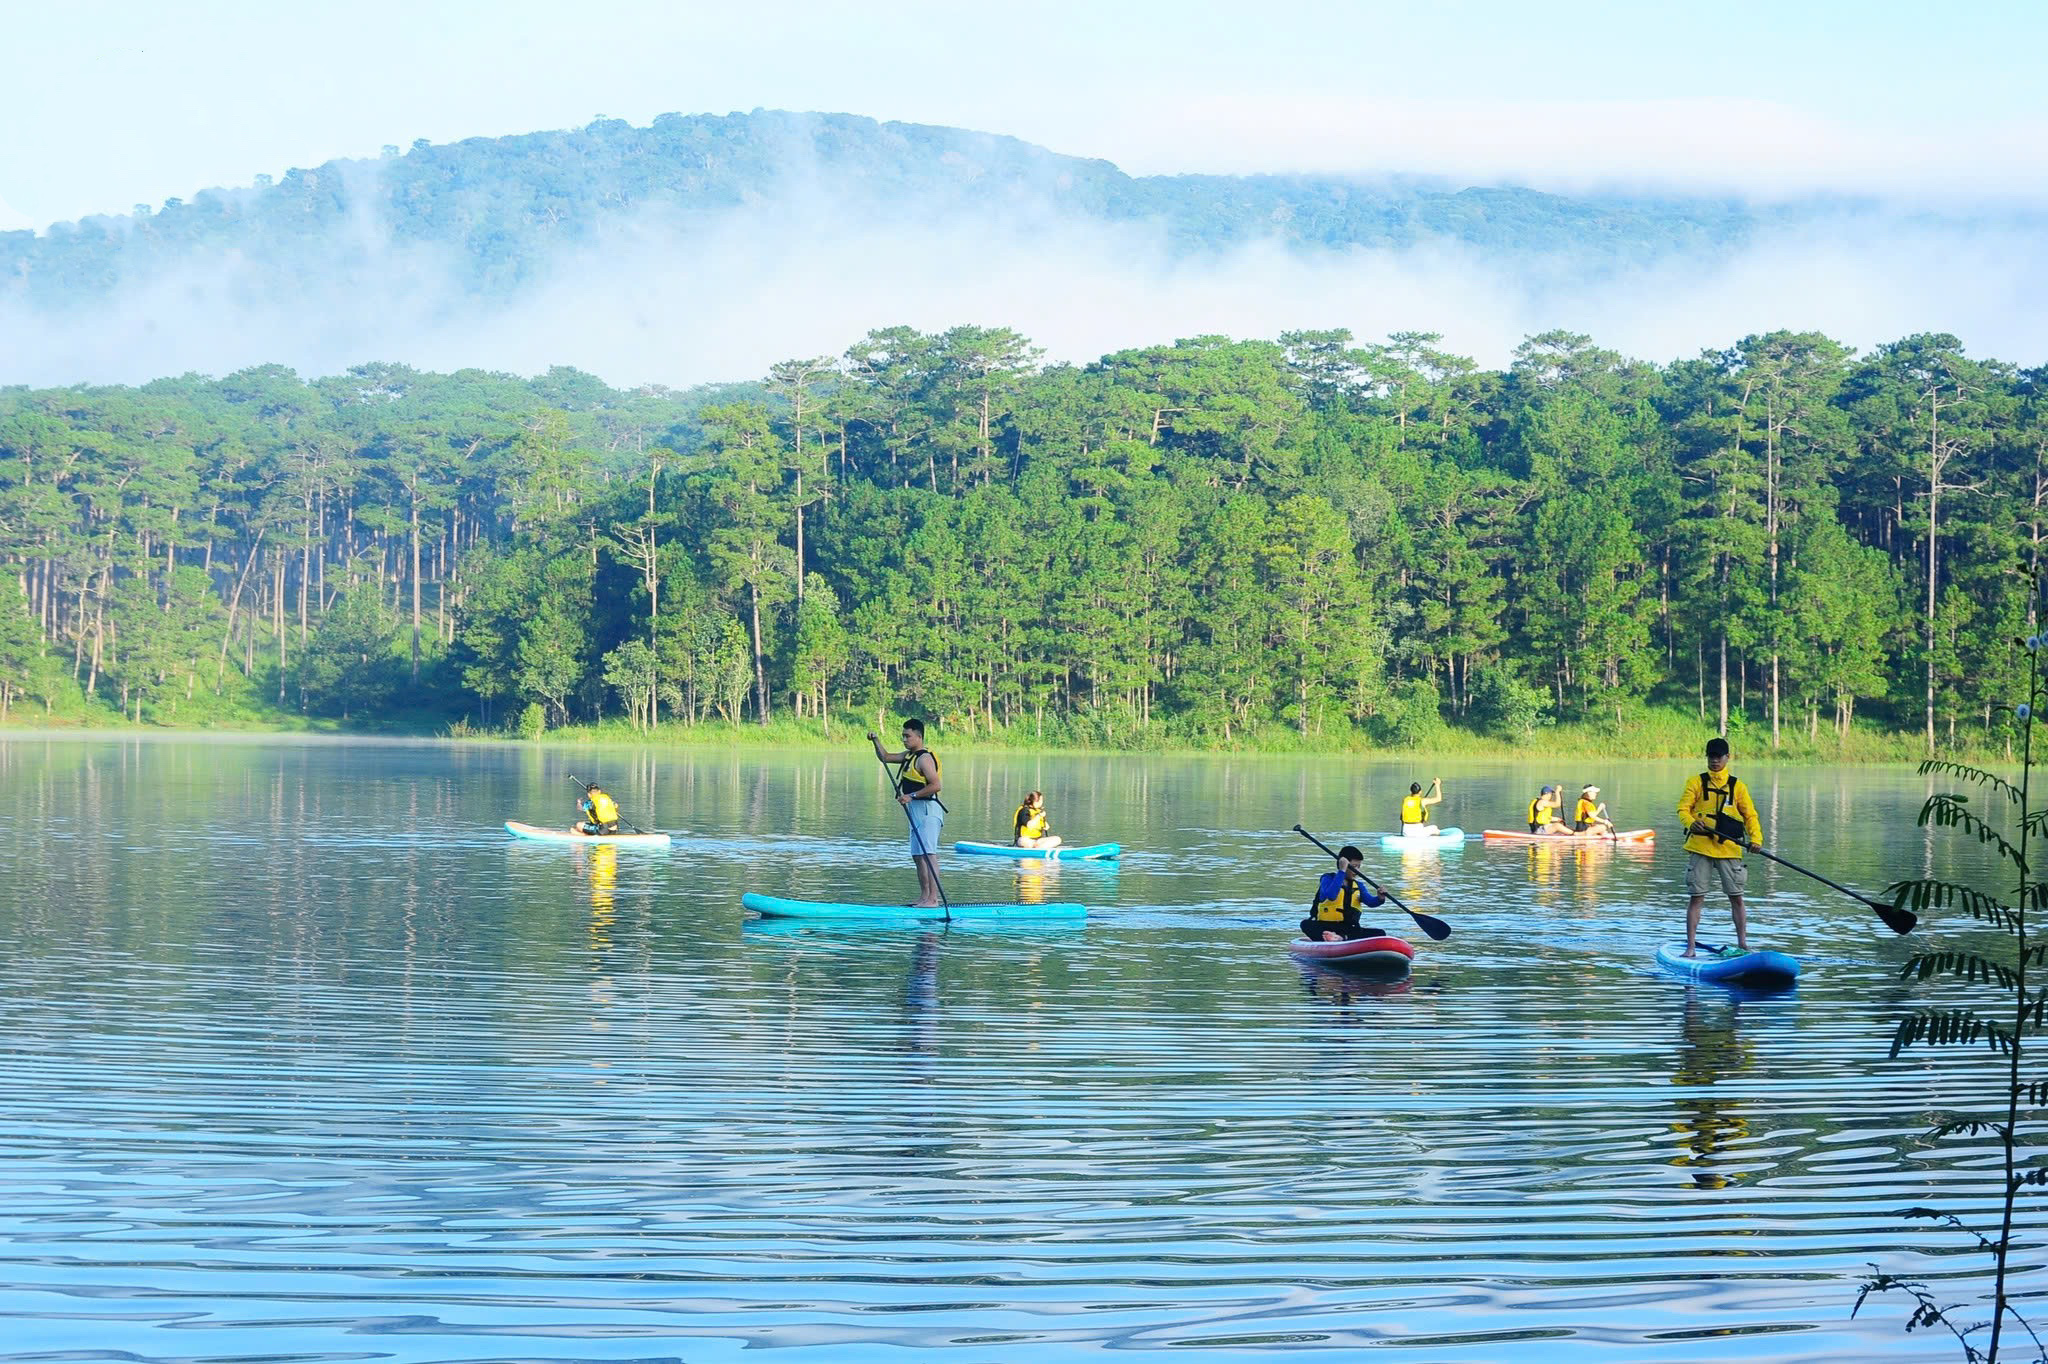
[357, 1094]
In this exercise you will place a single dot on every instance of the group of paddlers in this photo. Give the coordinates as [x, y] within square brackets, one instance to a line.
[1714, 809]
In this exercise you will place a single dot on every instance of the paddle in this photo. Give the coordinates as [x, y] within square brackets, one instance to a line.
[1428, 923]
[916, 838]
[1734, 830]
[584, 785]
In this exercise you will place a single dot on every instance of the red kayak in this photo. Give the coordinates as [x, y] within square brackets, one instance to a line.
[1590, 840]
[1381, 952]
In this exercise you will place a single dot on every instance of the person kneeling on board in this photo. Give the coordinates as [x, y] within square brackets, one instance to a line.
[1415, 809]
[1030, 827]
[1333, 914]
[600, 812]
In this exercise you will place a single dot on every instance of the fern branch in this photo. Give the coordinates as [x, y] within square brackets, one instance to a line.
[1947, 810]
[1926, 1311]
[1971, 1125]
[1965, 966]
[1924, 893]
[1947, 1027]
[1971, 774]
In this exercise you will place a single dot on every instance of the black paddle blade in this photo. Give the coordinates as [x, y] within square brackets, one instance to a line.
[1897, 920]
[1430, 924]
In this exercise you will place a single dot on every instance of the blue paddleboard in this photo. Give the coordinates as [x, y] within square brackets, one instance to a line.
[1091, 852]
[1442, 838]
[778, 907]
[1764, 970]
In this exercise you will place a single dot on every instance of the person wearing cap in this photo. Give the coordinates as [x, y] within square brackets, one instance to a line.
[1713, 857]
[1544, 811]
[600, 812]
[1590, 815]
[1333, 914]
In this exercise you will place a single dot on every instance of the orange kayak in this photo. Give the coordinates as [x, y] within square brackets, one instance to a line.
[1591, 840]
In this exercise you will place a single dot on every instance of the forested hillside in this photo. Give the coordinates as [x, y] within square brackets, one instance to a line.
[1211, 542]
[497, 209]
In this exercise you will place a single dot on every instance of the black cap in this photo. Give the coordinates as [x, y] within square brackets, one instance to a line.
[1717, 747]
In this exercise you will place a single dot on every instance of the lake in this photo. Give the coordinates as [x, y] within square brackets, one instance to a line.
[306, 1060]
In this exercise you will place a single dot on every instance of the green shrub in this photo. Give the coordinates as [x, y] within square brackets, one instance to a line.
[533, 721]
[1505, 705]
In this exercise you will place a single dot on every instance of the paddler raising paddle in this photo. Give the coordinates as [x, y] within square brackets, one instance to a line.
[1543, 813]
[1333, 914]
[1415, 808]
[917, 791]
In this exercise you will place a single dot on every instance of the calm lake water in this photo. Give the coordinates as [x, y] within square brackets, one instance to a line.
[305, 1060]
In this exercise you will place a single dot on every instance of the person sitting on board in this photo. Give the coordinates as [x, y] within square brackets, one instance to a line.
[1715, 840]
[1590, 815]
[1415, 808]
[1030, 826]
[1544, 811]
[1333, 914]
[600, 812]
[917, 791]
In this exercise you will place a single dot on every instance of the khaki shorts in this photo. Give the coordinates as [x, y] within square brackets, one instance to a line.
[1704, 873]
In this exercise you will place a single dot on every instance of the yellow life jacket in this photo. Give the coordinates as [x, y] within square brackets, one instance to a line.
[1586, 811]
[1413, 810]
[603, 809]
[1538, 805]
[1722, 796]
[907, 779]
[1030, 823]
[1341, 906]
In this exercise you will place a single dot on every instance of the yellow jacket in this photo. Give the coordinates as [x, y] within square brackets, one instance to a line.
[1705, 804]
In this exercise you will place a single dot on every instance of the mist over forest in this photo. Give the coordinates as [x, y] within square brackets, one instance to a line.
[828, 416]
[704, 248]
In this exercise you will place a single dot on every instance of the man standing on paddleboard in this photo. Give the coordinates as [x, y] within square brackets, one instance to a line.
[917, 791]
[1710, 859]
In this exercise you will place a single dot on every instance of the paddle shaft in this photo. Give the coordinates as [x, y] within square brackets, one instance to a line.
[1733, 830]
[1428, 923]
[1892, 915]
[586, 786]
[917, 839]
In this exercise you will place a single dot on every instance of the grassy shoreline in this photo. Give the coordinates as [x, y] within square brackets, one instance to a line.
[1653, 735]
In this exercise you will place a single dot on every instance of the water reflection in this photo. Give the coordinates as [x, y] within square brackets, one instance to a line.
[602, 864]
[291, 1079]
[1344, 988]
[1711, 1049]
[921, 997]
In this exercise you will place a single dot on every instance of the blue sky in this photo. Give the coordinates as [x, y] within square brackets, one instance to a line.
[111, 104]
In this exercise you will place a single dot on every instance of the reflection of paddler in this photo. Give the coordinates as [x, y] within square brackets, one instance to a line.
[1031, 887]
[1710, 1050]
[604, 885]
[921, 997]
[1347, 987]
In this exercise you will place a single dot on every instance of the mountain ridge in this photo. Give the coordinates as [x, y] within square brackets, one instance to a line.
[503, 204]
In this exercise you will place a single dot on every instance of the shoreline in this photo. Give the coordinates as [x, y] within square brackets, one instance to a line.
[1655, 743]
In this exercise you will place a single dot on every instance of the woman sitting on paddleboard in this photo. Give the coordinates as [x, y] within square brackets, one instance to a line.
[1590, 815]
[1415, 808]
[1030, 827]
[1333, 914]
